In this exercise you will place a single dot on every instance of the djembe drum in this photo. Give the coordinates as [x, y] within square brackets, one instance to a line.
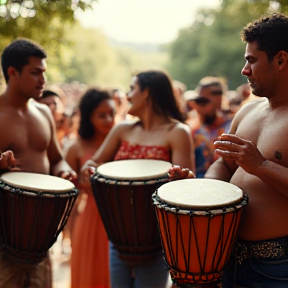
[123, 191]
[34, 210]
[198, 222]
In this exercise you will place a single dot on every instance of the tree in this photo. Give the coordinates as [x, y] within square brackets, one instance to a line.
[45, 21]
[92, 60]
[212, 46]
[42, 20]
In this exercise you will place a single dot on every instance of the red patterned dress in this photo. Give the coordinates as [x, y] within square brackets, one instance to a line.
[136, 151]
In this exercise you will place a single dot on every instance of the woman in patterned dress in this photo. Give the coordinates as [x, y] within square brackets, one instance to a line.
[156, 132]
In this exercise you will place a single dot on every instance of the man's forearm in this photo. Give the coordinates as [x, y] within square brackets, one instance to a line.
[219, 170]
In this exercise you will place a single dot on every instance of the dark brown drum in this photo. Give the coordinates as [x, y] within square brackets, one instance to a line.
[123, 191]
[34, 210]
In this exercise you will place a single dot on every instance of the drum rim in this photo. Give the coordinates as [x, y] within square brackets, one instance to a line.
[164, 193]
[27, 192]
[201, 211]
[141, 179]
[28, 189]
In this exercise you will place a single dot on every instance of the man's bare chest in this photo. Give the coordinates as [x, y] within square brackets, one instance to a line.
[269, 134]
[20, 133]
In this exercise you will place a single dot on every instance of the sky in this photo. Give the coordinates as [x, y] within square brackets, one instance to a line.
[143, 21]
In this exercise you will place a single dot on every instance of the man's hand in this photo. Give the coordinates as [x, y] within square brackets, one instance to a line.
[69, 175]
[87, 170]
[245, 153]
[8, 161]
[176, 172]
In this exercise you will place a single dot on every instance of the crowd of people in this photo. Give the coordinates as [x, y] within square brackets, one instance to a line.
[209, 132]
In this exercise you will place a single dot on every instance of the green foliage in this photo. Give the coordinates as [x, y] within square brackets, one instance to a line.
[212, 45]
[91, 60]
[44, 21]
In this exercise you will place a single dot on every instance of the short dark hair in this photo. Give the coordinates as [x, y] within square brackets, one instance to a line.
[48, 93]
[161, 92]
[270, 32]
[17, 55]
[91, 99]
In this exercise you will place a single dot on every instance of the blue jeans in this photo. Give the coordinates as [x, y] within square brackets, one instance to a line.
[257, 272]
[153, 274]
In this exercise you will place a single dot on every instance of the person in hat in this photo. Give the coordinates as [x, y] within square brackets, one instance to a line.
[209, 122]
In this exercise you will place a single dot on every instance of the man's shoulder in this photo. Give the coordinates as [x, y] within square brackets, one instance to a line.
[38, 105]
[42, 108]
[6, 110]
[257, 104]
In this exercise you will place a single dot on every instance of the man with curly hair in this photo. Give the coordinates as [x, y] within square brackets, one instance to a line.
[254, 156]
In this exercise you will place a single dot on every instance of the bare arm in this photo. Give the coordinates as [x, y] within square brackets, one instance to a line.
[58, 165]
[221, 169]
[70, 153]
[182, 147]
[111, 144]
[105, 153]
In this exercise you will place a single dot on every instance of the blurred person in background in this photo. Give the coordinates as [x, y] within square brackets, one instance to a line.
[54, 97]
[179, 88]
[121, 104]
[246, 94]
[89, 261]
[209, 123]
[51, 97]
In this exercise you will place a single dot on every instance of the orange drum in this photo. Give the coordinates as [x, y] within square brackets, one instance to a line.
[123, 191]
[34, 209]
[198, 222]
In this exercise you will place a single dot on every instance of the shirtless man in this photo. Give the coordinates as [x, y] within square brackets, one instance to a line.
[27, 128]
[255, 158]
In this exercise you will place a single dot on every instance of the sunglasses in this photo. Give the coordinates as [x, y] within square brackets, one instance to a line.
[216, 92]
[202, 101]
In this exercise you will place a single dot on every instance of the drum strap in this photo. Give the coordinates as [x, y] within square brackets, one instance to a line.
[272, 248]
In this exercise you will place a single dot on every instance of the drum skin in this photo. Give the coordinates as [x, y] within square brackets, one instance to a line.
[129, 216]
[197, 243]
[31, 221]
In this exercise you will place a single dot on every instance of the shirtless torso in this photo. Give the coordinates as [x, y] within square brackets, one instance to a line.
[29, 134]
[266, 215]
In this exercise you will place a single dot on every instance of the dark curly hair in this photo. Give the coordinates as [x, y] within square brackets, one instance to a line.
[17, 55]
[161, 92]
[270, 32]
[91, 99]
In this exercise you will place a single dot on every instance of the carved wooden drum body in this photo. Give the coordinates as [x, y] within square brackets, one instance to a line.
[198, 222]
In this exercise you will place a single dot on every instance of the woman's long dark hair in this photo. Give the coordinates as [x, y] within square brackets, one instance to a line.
[88, 103]
[161, 92]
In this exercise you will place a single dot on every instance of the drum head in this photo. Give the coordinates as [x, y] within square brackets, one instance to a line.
[37, 182]
[199, 193]
[138, 169]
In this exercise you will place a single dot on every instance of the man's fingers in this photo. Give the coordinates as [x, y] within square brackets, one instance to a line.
[232, 138]
[227, 154]
[227, 145]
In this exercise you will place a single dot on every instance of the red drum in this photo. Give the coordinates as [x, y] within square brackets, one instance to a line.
[123, 191]
[198, 222]
[34, 209]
